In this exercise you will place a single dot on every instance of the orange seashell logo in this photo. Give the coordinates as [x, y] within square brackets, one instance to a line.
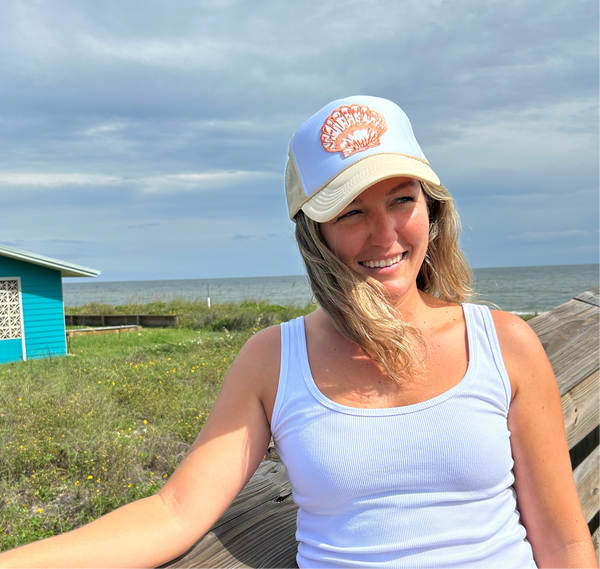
[352, 128]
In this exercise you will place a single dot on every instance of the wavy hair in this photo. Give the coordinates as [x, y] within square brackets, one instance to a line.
[360, 306]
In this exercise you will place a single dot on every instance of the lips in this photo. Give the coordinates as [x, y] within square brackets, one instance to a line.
[387, 262]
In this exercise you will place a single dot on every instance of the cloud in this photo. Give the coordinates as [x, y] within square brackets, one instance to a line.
[242, 237]
[212, 180]
[124, 115]
[104, 129]
[550, 236]
[201, 54]
[49, 180]
[65, 241]
[143, 225]
[168, 183]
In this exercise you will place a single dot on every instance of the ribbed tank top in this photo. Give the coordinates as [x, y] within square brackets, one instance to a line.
[423, 485]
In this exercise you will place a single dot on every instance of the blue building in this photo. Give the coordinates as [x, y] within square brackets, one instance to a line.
[32, 319]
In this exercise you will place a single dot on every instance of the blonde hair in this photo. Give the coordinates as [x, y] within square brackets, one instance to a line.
[359, 306]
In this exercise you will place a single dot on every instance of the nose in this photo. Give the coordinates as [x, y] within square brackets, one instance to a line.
[382, 230]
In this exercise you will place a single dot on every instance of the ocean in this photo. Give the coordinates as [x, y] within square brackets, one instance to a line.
[522, 290]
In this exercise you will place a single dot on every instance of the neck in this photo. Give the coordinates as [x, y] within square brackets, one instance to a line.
[410, 306]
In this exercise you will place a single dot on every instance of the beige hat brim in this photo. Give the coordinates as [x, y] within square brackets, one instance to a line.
[325, 204]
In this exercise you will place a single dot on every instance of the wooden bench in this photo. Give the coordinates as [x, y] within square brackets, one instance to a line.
[258, 529]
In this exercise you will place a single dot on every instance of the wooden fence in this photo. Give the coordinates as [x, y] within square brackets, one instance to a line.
[258, 529]
[570, 336]
[145, 320]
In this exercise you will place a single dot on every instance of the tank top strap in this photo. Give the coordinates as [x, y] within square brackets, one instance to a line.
[293, 350]
[484, 349]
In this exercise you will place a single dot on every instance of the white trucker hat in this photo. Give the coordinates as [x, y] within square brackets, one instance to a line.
[348, 146]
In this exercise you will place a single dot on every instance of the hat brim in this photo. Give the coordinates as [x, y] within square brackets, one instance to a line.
[324, 205]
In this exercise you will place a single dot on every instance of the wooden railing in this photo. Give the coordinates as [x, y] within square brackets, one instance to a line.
[570, 336]
[145, 320]
[258, 529]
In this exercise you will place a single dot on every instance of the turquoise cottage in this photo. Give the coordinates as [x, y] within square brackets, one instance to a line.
[32, 319]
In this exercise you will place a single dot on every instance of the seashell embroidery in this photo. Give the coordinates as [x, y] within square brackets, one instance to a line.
[352, 128]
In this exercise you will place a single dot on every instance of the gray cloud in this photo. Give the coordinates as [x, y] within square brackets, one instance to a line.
[143, 225]
[240, 236]
[65, 241]
[550, 236]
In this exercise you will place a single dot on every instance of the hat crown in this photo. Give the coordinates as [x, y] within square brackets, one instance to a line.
[317, 165]
[347, 146]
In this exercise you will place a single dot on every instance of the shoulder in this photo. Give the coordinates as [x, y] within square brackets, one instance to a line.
[261, 353]
[255, 371]
[262, 341]
[514, 334]
[522, 351]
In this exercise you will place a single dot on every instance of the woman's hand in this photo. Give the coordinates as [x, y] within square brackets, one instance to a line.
[155, 530]
[546, 494]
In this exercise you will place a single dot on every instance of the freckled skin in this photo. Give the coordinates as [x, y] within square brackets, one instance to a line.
[388, 219]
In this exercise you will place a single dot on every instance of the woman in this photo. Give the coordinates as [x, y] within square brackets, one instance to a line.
[398, 411]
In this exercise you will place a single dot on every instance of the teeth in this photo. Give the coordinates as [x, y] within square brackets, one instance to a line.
[382, 263]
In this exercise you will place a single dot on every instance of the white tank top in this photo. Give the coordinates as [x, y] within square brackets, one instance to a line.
[423, 485]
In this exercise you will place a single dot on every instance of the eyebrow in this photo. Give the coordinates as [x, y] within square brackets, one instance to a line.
[395, 189]
[402, 185]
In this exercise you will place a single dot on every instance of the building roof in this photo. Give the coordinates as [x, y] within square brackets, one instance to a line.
[66, 269]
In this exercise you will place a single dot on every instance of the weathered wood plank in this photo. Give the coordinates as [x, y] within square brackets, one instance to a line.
[586, 477]
[591, 296]
[104, 330]
[581, 408]
[257, 530]
[570, 336]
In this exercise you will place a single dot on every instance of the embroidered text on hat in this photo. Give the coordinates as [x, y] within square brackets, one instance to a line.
[351, 129]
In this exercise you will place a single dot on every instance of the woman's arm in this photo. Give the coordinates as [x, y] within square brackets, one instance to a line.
[546, 494]
[152, 531]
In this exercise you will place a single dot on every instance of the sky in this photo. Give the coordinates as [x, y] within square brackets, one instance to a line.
[148, 138]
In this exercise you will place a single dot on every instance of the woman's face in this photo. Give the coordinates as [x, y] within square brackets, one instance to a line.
[383, 234]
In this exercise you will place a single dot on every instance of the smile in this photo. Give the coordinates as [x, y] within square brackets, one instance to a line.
[383, 262]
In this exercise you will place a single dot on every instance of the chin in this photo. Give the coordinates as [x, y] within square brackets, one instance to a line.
[398, 293]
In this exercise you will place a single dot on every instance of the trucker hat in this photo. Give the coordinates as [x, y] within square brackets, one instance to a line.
[346, 147]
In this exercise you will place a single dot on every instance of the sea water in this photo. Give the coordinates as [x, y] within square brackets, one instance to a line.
[520, 290]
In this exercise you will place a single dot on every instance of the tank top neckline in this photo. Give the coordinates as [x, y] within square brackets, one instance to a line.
[387, 411]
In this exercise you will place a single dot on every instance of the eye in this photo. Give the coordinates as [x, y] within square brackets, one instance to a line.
[348, 214]
[404, 199]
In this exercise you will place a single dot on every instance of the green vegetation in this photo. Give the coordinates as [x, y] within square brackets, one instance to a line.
[197, 316]
[83, 434]
[528, 316]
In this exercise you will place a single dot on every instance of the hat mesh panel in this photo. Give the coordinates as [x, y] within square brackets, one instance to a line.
[293, 187]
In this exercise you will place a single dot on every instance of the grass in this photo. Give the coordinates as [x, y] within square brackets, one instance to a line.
[83, 434]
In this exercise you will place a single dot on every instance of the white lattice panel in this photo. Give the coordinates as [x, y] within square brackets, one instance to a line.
[10, 315]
